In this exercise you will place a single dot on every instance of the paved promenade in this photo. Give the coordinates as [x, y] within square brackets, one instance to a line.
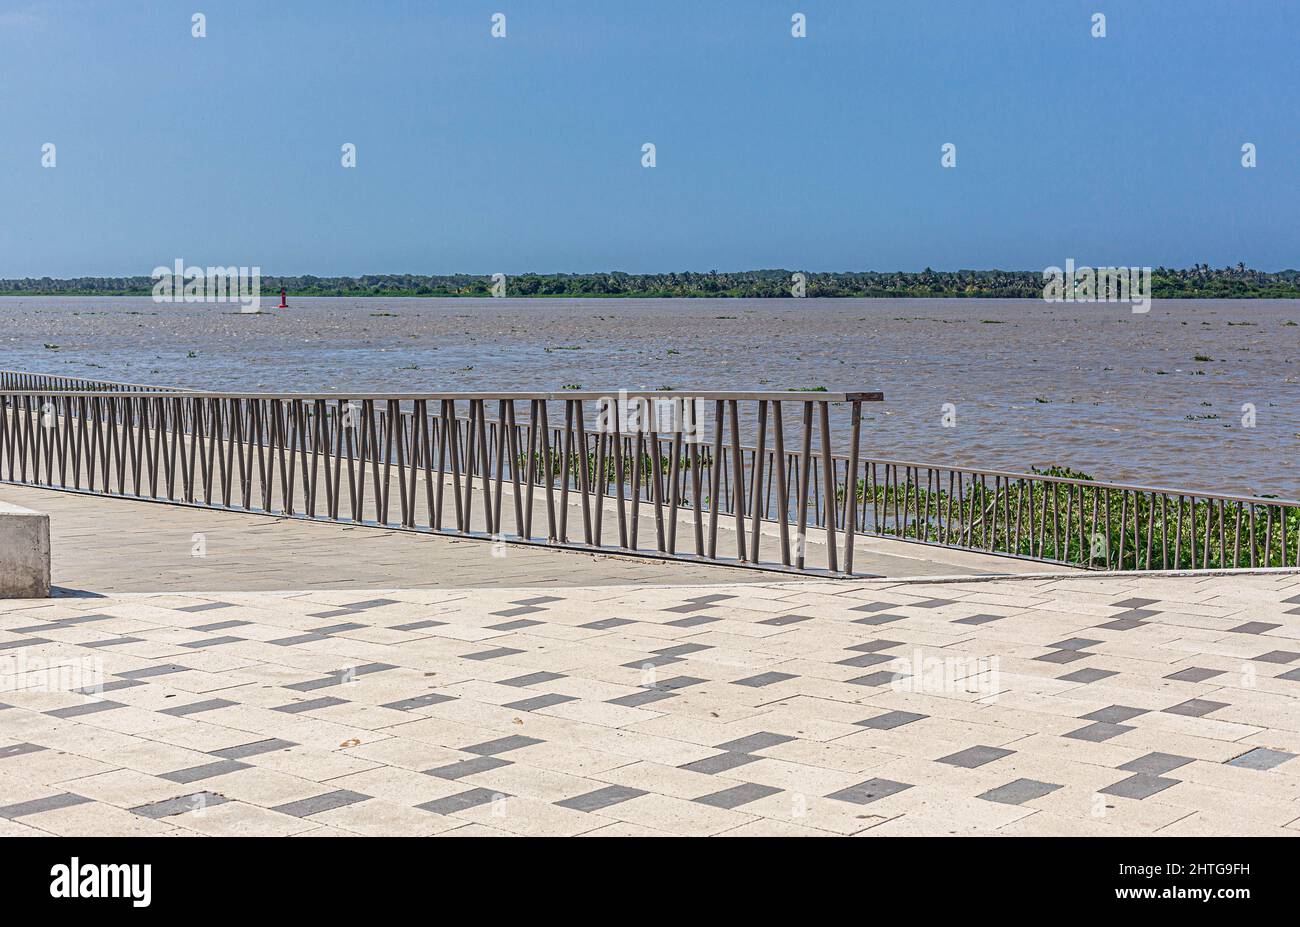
[1077, 706]
[156, 548]
[103, 544]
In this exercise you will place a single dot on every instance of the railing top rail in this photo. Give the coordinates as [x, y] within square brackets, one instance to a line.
[550, 396]
[86, 379]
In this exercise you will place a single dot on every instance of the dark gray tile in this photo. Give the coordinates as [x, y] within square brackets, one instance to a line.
[209, 642]
[1115, 714]
[681, 650]
[1261, 758]
[1122, 624]
[1278, 656]
[1194, 674]
[517, 625]
[1134, 614]
[461, 802]
[349, 673]
[531, 679]
[713, 765]
[23, 642]
[257, 748]
[58, 624]
[1134, 603]
[1254, 627]
[420, 701]
[1195, 708]
[931, 603]
[204, 607]
[891, 719]
[19, 750]
[601, 798]
[874, 607]
[1075, 643]
[637, 699]
[1139, 786]
[205, 771]
[710, 597]
[195, 801]
[111, 642]
[334, 613]
[418, 625]
[147, 672]
[311, 685]
[1291, 676]
[878, 619]
[501, 745]
[978, 619]
[863, 660]
[606, 624]
[673, 683]
[294, 708]
[687, 607]
[517, 611]
[464, 768]
[1156, 764]
[652, 661]
[545, 700]
[972, 757]
[882, 678]
[1064, 656]
[219, 626]
[692, 621]
[310, 637]
[36, 806]
[111, 686]
[338, 628]
[874, 646]
[539, 600]
[306, 807]
[781, 621]
[371, 603]
[491, 654]
[211, 704]
[737, 795]
[89, 708]
[754, 742]
[763, 679]
[1085, 676]
[872, 790]
[1099, 731]
[1019, 791]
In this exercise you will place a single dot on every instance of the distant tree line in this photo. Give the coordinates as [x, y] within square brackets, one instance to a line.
[1201, 281]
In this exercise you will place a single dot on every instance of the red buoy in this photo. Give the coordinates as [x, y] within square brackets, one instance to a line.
[283, 304]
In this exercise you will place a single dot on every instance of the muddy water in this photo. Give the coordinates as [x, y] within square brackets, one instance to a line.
[1094, 387]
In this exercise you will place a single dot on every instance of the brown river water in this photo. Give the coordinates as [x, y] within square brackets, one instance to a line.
[1096, 387]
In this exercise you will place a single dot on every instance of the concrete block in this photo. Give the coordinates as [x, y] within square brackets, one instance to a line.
[24, 553]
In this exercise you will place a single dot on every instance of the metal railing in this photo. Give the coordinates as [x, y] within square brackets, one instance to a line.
[438, 462]
[548, 468]
[21, 380]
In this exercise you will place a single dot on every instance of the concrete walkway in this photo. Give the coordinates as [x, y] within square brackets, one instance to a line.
[1081, 706]
[105, 545]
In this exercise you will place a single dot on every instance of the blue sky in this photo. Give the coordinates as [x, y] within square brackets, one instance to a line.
[521, 154]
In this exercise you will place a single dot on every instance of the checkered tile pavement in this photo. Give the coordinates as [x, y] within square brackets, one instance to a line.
[1079, 706]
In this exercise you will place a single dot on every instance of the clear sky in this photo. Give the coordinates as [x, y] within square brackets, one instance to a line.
[477, 154]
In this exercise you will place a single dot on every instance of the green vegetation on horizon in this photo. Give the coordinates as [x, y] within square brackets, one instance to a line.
[1200, 281]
